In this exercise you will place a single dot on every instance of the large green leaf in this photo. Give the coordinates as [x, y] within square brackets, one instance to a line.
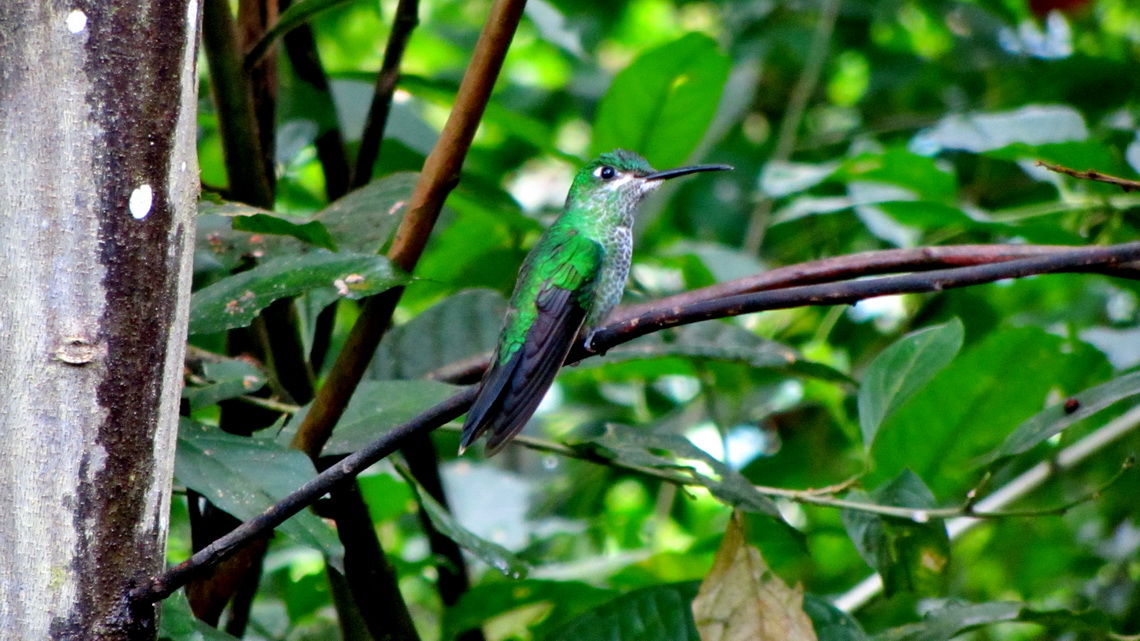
[490, 553]
[646, 448]
[661, 104]
[970, 406]
[236, 300]
[912, 555]
[245, 475]
[901, 370]
[656, 613]
[1056, 418]
[831, 623]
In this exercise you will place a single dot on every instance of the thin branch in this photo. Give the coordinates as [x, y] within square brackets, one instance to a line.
[1073, 261]
[439, 177]
[386, 80]
[1124, 183]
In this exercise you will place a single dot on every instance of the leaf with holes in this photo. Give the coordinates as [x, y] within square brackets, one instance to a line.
[236, 300]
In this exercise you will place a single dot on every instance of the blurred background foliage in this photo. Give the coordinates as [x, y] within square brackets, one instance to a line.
[853, 126]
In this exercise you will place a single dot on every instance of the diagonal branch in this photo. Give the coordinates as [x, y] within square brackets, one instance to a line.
[405, 21]
[1077, 260]
[439, 177]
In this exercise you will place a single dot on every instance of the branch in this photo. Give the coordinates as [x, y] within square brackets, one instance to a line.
[1078, 260]
[439, 177]
[1094, 175]
[402, 25]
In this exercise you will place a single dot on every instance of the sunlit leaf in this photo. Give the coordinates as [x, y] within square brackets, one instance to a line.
[236, 300]
[901, 370]
[661, 104]
[742, 600]
[1031, 125]
[245, 475]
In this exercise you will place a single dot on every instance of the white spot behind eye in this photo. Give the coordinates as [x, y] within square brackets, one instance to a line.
[76, 21]
[141, 201]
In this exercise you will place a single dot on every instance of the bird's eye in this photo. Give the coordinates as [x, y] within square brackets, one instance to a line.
[605, 172]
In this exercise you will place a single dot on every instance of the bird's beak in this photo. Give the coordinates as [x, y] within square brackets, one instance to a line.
[684, 171]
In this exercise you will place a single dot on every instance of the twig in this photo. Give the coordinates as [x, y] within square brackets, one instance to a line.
[402, 25]
[1124, 183]
[616, 333]
[439, 177]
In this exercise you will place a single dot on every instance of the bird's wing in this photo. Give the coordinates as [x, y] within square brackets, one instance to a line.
[537, 335]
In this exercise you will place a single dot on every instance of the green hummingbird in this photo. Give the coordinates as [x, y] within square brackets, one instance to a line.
[569, 283]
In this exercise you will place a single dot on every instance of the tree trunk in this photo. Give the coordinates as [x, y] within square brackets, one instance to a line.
[98, 180]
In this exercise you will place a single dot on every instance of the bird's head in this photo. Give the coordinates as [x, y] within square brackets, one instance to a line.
[622, 178]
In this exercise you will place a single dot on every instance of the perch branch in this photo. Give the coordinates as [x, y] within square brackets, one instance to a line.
[1078, 260]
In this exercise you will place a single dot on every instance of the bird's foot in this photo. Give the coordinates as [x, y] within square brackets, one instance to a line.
[588, 344]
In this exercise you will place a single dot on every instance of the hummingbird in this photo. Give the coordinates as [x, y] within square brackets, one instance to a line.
[569, 283]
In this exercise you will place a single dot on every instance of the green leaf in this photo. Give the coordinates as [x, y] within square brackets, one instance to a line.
[645, 448]
[227, 378]
[1056, 418]
[901, 370]
[245, 475]
[459, 327]
[656, 613]
[490, 553]
[955, 618]
[662, 103]
[972, 405]
[311, 233]
[912, 555]
[236, 300]
[484, 602]
[375, 408]
[918, 174]
[178, 623]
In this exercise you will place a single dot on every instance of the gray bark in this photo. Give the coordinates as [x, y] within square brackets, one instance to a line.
[98, 181]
